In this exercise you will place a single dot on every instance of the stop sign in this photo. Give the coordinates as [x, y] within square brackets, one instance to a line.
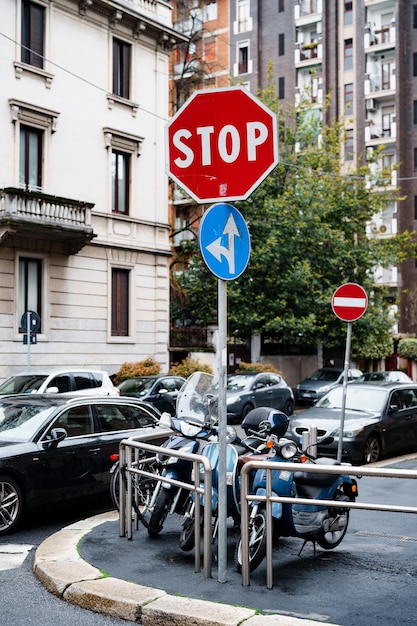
[221, 144]
[349, 302]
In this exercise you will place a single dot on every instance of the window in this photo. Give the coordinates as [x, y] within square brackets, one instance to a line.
[210, 54]
[243, 59]
[414, 63]
[210, 11]
[33, 20]
[281, 44]
[29, 288]
[387, 72]
[281, 6]
[415, 159]
[414, 111]
[281, 87]
[243, 10]
[349, 145]
[415, 16]
[121, 68]
[348, 54]
[349, 97]
[30, 158]
[120, 302]
[120, 168]
[388, 115]
[348, 12]
[415, 207]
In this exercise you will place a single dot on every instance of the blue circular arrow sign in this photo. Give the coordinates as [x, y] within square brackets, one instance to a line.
[224, 241]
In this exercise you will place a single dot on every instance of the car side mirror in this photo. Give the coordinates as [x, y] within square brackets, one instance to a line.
[55, 437]
[52, 390]
[393, 408]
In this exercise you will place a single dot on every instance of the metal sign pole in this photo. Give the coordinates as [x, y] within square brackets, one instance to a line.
[345, 382]
[28, 319]
[222, 416]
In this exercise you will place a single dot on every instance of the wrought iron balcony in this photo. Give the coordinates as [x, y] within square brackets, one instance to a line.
[36, 215]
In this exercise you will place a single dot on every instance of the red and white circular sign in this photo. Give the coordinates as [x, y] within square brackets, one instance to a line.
[349, 302]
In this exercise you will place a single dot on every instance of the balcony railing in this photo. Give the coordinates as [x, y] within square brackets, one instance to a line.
[35, 214]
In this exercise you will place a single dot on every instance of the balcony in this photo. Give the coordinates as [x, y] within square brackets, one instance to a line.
[37, 216]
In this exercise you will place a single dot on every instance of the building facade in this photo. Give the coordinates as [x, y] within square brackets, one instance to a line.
[84, 229]
[363, 53]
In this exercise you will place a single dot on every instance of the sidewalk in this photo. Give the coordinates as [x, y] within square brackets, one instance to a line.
[65, 573]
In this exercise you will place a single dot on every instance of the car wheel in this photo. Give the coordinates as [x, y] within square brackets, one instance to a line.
[288, 408]
[245, 410]
[372, 449]
[11, 504]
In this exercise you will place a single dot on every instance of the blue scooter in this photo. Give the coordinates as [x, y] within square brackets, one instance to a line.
[321, 524]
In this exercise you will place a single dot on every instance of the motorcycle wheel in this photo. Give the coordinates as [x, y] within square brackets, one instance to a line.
[331, 539]
[187, 535]
[257, 543]
[160, 511]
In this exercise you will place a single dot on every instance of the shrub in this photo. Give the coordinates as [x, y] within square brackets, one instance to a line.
[187, 367]
[257, 367]
[147, 367]
[408, 348]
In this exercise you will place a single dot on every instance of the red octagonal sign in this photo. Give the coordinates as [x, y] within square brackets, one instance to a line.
[349, 302]
[221, 144]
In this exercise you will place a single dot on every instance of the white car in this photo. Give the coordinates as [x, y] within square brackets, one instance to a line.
[79, 382]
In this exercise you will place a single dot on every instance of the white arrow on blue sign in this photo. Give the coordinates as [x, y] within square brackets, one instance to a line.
[224, 241]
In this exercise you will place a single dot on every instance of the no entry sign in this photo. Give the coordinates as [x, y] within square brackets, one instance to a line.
[349, 302]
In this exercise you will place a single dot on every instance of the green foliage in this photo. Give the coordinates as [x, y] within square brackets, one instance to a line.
[188, 366]
[408, 348]
[307, 223]
[257, 367]
[147, 367]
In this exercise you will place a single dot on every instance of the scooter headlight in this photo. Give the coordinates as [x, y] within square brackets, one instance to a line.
[287, 448]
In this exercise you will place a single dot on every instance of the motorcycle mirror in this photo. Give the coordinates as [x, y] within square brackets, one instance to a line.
[165, 420]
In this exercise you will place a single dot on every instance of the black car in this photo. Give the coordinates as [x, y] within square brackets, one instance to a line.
[161, 391]
[379, 420]
[55, 448]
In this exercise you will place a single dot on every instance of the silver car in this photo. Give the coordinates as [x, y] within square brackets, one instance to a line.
[250, 390]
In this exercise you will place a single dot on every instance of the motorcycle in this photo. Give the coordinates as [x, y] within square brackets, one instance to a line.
[321, 524]
[238, 451]
[196, 421]
[155, 499]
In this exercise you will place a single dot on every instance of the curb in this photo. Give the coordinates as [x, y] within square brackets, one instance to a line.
[60, 568]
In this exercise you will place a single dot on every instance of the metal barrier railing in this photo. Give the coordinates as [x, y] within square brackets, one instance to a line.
[126, 496]
[268, 498]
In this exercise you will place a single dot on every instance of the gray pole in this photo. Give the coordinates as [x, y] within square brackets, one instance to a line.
[28, 320]
[222, 413]
[345, 381]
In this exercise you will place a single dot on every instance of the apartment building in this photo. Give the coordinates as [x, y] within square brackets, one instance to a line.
[364, 54]
[84, 229]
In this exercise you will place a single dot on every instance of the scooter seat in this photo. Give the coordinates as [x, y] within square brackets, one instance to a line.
[245, 458]
[314, 478]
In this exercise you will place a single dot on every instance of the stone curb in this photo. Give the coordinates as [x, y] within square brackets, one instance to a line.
[60, 568]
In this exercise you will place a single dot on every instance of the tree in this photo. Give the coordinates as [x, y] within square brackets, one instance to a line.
[308, 226]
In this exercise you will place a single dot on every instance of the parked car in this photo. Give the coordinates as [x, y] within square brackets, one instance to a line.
[71, 381]
[161, 391]
[54, 448]
[315, 386]
[379, 420]
[393, 376]
[250, 390]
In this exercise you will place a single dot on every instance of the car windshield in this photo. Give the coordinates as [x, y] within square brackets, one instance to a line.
[26, 383]
[357, 399]
[136, 385]
[239, 382]
[329, 375]
[20, 421]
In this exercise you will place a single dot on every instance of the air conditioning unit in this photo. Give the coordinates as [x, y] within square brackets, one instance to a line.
[370, 104]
